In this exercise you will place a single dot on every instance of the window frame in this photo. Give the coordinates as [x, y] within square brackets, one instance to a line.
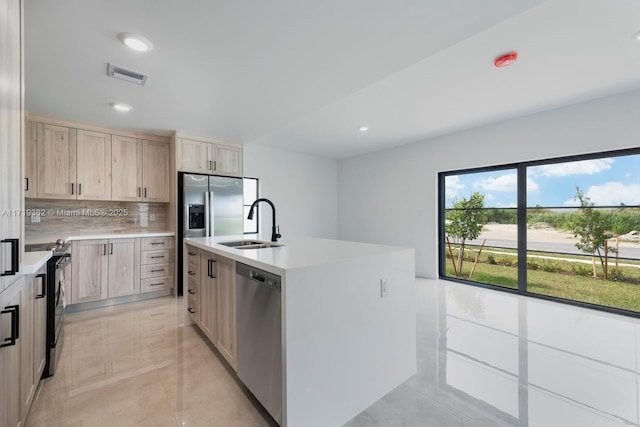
[257, 208]
[521, 168]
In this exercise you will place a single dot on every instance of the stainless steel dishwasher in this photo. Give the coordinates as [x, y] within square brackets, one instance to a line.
[259, 336]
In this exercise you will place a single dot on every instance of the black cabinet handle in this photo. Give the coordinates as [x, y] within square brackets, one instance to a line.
[156, 284]
[157, 243]
[157, 270]
[191, 310]
[26, 181]
[191, 273]
[15, 257]
[72, 188]
[104, 249]
[157, 256]
[145, 192]
[14, 310]
[191, 291]
[210, 168]
[79, 189]
[43, 283]
[111, 252]
[139, 191]
[215, 165]
[192, 254]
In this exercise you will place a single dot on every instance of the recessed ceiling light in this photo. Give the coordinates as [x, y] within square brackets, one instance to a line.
[121, 107]
[136, 42]
[363, 128]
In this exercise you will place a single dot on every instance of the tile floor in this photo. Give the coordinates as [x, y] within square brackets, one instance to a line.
[485, 358]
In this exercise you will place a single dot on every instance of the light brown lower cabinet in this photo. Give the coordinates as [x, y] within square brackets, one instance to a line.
[12, 312]
[211, 298]
[105, 268]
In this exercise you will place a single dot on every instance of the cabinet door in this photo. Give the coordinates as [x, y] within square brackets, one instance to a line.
[208, 295]
[27, 314]
[126, 168]
[155, 171]
[93, 159]
[227, 160]
[226, 316]
[194, 156]
[40, 324]
[124, 267]
[10, 356]
[30, 164]
[89, 269]
[56, 162]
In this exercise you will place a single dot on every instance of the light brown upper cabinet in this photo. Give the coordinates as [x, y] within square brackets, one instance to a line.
[93, 165]
[56, 160]
[70, 163]
[208, 157]
[140, 170]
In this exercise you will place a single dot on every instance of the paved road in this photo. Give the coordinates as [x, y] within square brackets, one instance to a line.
[570, 248]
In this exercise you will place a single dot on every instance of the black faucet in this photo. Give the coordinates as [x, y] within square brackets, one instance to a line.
[274, 234]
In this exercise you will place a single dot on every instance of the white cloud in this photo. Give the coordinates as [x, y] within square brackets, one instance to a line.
[507, 182]
[611, 194]
[452, 185]
[582, 167]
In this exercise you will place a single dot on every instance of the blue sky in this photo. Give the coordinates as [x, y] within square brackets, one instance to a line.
[607, 181]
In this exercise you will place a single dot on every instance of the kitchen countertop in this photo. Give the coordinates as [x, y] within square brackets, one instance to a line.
[46, 238]
[33, 261]
[297, 252]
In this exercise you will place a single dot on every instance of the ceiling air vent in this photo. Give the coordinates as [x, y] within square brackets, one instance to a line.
[127, 75]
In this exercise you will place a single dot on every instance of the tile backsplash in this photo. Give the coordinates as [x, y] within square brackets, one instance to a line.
[75, 217]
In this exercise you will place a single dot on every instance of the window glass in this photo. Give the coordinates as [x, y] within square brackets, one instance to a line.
[582, 228]
[250, 190]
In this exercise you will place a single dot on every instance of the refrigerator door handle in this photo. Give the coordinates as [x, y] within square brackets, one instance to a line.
[207, 231]
[212, 214]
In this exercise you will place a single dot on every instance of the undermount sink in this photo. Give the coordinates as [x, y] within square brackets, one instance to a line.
[251, 244]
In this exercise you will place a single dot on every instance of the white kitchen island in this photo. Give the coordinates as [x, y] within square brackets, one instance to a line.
[344, 344]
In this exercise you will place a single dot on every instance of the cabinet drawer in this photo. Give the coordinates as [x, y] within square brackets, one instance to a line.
[153, 243]
[156, 270]
[192, 306]
[192, 273]
[192, 287]
[156, 257]
[156, 284]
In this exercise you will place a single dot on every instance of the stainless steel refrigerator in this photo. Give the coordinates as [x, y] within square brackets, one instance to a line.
[208, 206]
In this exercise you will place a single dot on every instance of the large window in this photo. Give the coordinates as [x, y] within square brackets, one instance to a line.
[565, 229]
[250, 190]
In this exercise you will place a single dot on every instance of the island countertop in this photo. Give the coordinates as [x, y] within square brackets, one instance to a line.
[296, 252]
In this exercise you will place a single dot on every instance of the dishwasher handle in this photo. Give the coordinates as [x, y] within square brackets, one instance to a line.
[257, 276]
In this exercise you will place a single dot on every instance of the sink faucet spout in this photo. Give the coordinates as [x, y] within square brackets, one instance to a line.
[275, 230]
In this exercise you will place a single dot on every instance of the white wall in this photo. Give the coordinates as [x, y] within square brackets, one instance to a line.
[390, 196]
[303, 188]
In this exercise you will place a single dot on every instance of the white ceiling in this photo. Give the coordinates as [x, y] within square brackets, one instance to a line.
[303, 75]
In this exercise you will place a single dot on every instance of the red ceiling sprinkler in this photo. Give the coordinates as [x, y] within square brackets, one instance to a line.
[506, 59]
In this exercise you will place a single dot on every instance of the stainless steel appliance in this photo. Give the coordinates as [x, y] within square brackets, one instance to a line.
[208, 206]
[58, 267]
[259, 336]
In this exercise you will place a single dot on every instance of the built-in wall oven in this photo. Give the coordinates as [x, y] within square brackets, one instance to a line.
[58, 267]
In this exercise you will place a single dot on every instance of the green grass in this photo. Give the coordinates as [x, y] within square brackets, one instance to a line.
[621, 293]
